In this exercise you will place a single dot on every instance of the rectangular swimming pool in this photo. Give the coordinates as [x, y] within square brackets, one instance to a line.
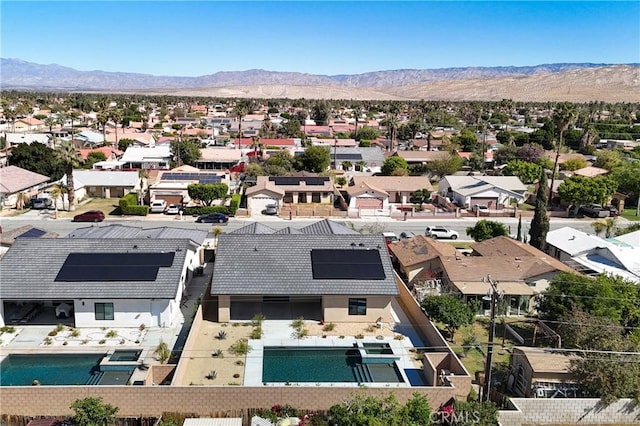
[61, 369]
[323, 365]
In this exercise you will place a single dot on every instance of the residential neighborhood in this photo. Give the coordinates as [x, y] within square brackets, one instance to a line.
[242, 254]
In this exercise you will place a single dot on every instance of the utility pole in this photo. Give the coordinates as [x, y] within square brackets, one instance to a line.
[493, 296]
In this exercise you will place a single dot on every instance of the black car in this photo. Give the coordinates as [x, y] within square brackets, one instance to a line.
[213, 218]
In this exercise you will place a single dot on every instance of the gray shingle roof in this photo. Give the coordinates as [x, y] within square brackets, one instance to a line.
[287, 230]
[28, 270]
[123, 231]
[280, 264]
[327, 226]
[254, 228]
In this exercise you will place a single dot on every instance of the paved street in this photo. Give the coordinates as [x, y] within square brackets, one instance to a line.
[380, 224]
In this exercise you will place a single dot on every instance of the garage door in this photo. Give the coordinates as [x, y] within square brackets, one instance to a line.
[488, 202]
[257, 204]
[369, 203]
[170, 199]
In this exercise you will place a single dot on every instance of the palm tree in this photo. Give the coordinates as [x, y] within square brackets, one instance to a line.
[564, 115]
[103, 117]
[598, 226]
[240, 110]
[56, 192]
[216, 232]
[116, 116]
[610, 226]
[70, 158]
[142, 175]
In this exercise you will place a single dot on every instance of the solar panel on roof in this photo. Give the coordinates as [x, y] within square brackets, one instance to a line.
[349, 156]
[92, 267]
[345, 264]
[315, 181]
[33, 233]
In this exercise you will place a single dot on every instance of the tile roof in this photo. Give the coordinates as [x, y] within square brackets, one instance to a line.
[29, 268]
[396, 183]
[412, 251]
[590, 171]
[15, 179]
[423, 156]
[281, 264]
[123, 231]
[220, 154]
[8, 237]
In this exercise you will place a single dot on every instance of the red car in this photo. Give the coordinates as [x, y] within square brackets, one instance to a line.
[89, 216]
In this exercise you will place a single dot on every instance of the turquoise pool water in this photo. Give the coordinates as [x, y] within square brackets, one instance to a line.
[323, 365]
[63, 369]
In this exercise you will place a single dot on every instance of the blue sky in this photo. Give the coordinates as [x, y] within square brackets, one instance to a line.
[181, 38]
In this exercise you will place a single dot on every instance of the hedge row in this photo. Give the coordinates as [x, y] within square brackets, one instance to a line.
[197, 211]
[235, 203]
[129, 206]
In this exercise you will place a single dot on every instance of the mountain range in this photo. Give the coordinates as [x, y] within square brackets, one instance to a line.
[581, 82]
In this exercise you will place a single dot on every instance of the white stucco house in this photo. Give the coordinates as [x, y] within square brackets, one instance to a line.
[493, 192]
[120, 282]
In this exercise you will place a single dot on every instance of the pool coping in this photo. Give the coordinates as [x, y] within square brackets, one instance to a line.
[254, 360]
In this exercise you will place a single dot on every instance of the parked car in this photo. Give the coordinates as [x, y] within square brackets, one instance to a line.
[407, 234]
[613, 211]
[173, 209]
[213, 218]
[41, 203]
[270, 209]
[158, 206]
[594, 210]
[89, 216]
[441, 232]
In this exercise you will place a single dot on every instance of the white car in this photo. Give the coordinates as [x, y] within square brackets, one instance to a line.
[441, 232]
[173, 209]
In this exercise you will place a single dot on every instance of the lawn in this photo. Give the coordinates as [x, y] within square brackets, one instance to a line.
[474, 359]
[630, 214]
[108, 205]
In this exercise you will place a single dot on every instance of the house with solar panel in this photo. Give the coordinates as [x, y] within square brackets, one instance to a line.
[93, 282]
[171, 185]
[282, 190]
[331, 278]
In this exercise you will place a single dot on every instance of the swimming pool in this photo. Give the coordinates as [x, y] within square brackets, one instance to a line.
[324, 365]
[60, 369]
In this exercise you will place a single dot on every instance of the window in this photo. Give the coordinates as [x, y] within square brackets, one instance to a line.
[104, 311]
[357, 306]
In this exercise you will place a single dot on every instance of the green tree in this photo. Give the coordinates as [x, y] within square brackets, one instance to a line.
[583, 190]
[526, 171]
[366, 133]
[240, 110]
[467, 140]
[36, 157]
[314, 159]
[387, 411]
[125, 143]
[563, 116]
[487, 229]
[393, 163]
[609, 160]
[600, 372]
[290, 128]
[208, 192]
[70, 158]
[446, 166]
[627, 176]
[279, 164]
[475, 413]
[540, 222]
[574, 164]
[93, 158]
[92, 411]
[254, 169]
[604, 296]
[320, 112]
[420, 196]
[186, 152]
[449, 310]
